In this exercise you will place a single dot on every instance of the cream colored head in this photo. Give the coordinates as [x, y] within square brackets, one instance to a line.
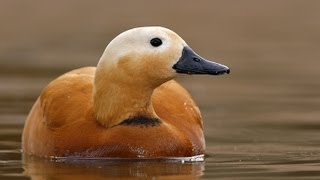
[134, 64]
[136, 60]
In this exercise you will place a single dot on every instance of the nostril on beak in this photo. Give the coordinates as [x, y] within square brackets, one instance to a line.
[196, 59]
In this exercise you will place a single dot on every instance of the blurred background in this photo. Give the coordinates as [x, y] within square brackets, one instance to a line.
[268, 104]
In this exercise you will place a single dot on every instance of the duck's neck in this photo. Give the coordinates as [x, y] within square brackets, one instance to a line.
[115, 102]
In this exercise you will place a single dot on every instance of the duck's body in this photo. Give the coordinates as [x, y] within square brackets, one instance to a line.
[107, 112]
[62, 123]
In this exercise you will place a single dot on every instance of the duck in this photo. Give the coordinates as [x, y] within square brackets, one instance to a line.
[128, 106]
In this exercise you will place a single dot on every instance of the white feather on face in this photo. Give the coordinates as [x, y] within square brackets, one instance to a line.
[134, 45]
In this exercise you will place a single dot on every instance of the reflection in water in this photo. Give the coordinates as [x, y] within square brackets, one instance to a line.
[243, 161]
[38, 168]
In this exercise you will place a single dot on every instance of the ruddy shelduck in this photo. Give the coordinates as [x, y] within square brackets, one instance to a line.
[128, 106]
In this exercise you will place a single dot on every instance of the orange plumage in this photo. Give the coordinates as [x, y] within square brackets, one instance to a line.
[119, 109]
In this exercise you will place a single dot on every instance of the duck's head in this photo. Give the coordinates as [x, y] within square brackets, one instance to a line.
[153, 55]
[134, 64]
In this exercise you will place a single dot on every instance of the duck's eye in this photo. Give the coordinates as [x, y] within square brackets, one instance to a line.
[155, 42]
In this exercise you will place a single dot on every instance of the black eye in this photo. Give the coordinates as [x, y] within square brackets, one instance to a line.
[155, 42]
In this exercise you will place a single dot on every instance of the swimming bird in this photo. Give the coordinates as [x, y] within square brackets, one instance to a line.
[128, 106]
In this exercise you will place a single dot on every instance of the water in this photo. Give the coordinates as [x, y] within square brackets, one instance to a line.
[261, 121]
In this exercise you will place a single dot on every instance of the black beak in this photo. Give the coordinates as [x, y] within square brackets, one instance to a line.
[191, 63]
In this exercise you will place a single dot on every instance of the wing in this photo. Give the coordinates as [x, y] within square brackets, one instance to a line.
[174, 104]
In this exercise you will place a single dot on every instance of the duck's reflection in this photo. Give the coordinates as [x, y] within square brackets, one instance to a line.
[38, 168]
